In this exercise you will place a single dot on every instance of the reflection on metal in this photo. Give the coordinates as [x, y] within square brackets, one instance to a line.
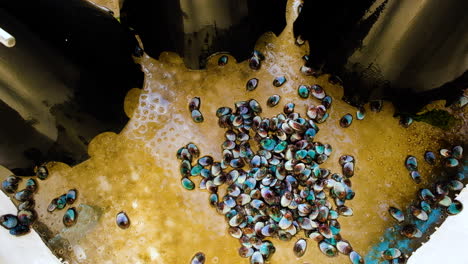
[410, 52]
[7, 39]
[102, 8]
[55, 95]
[28, 91]
[419, 45]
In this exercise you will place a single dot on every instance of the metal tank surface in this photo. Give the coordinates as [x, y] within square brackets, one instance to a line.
[410, 52]
[58, 89]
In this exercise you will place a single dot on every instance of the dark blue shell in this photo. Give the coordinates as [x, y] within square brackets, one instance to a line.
[71, 196]
[19, 230]
[122, 220]
[70, 217]
[8, 221]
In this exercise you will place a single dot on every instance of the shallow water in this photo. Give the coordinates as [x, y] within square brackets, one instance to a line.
[136, 171]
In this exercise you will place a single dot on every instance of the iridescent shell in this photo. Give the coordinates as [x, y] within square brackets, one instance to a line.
[345, 211]
[70, 217]
[457, 152]
[345, 159]
[455, 185]
[411, 231]
[346, 120]
[312, 112]
[355, 258]
[344, 247]
[303, 91]
[360, 113]
[61, 201]
[406, 121]
[429, 157]
[27, 217]
[306, 70]
[122, 220]
[223, 60]
[197, 116]
[268, 144]
[446, 201]
[194, 104]
[279, 81]
[425, 206]
[213, 198]
[23, 195]
[327, 249]
[397, 214]
[255, 106]
[187, 184]
[451, 162]
[198, 258]
[256, 258]
[9, 221]
[31, 185]
[254, 63]
[245, 252]
[445, 153]
[416, 176]
[71, 196]
[411, 163]
[205, 161]
[286, 221]
[52, 206]
[348, 169]
[193, 150]
[273, 100]
[300, 41]
[20, 230]
[222, 111]
[10, 184]
[317, 91]
[426, 195]
[325, 230]
[455, 208]
[327, 101]
[267, 249]
[391, 253]
[42, 173]
[376, 105]
[27, 205]
[300, 248]
[419, 213]
[288, 108]
[251, 84]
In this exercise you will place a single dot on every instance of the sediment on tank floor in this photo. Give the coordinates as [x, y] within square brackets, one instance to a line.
[137, 172]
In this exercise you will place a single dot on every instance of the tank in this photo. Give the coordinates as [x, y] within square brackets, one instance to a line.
[232, 131]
